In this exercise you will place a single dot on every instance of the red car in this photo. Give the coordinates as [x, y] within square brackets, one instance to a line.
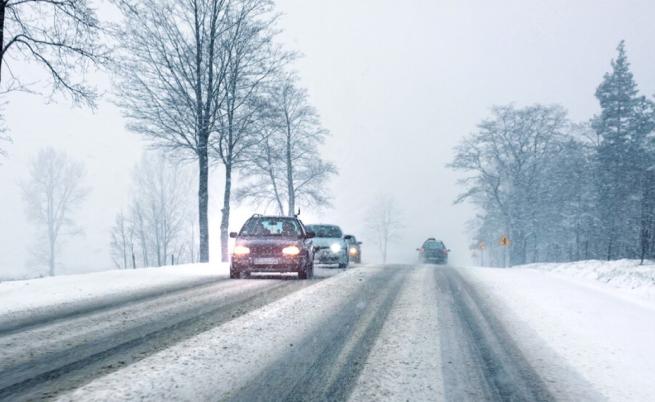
[272, 244]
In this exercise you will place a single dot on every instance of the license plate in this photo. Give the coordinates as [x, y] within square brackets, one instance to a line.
[266, 261]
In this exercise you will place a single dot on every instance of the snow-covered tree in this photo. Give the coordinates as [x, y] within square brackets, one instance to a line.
[622, 157]
[506, 161]
[53, 193]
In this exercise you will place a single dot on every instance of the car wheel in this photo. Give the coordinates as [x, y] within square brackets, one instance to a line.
[303, 273]
[234, 274]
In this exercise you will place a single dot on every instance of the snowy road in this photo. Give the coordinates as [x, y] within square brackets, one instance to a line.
[44, 360]
[369, 333]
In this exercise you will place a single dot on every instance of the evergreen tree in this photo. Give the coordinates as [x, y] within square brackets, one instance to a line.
[622, 127]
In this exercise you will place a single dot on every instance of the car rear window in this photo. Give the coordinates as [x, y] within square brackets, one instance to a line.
[285, 227]
[433, 245]
[325, 230]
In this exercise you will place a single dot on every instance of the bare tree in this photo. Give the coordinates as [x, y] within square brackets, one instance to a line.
[160, 210]
[384, 223]
[122, 242]
[59, 35]
[264, 173]
[252, 59]
[287, 165]
[4, 136]
[172, 71]
[52, 195]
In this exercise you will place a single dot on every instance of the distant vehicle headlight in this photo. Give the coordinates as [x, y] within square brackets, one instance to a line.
[353, 251]
[241, 250]
[335, 248]
[291, 250]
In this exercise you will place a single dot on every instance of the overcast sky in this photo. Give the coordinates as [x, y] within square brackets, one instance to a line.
[398, 84]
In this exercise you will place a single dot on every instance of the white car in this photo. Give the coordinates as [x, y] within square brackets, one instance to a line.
[330, 247]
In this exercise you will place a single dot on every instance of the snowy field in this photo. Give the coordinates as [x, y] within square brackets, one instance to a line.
[25, 301]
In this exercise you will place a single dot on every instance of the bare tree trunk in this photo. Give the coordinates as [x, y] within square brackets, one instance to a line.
[51, 256]
[203, 203]
[3, 7]
[269, 161]
[290, 188]
[225, 212]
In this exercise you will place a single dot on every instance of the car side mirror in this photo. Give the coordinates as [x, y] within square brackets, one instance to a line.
[310, 235]
[347, 237]
[233, 235]
[360, 243]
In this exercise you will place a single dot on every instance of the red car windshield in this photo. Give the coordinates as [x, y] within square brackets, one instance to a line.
[283, 227]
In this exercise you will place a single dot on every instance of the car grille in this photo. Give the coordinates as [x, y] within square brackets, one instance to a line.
[265, 251]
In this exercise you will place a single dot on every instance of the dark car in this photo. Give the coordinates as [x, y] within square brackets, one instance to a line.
[272, 244]
[354, 248]
[433, 251]
[330, 245]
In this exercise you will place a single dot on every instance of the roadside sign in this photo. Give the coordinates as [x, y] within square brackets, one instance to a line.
[504, 241]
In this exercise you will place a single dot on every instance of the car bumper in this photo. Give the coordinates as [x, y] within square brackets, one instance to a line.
[328, 257]
[435, 260]
[284, 265]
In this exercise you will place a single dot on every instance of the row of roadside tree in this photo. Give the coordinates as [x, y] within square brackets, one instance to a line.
[565, 191]
[210, 87]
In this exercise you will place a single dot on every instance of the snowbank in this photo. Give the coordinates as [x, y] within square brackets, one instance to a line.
[576, 316]
[32, 301]
[627, 277]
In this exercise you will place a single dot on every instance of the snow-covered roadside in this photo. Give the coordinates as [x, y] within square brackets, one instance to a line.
[34, 300]
[217, 362]
[558, 323]
[628, 277]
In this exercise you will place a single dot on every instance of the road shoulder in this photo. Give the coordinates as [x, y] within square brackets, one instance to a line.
[586, 344]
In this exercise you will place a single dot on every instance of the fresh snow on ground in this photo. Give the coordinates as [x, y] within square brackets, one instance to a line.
[26, 301]
[579, 325]
[628, 277]
[215, 363]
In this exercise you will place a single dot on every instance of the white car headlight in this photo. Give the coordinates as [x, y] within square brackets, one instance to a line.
[335, 247]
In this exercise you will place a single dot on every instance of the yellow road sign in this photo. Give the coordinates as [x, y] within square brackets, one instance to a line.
[504, 241]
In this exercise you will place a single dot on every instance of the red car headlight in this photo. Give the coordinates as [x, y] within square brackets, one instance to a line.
[241, 250]
[291, 250]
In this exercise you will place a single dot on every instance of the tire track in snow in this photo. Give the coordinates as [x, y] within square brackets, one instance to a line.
[325, 366]
[480, 359]
[65, 367]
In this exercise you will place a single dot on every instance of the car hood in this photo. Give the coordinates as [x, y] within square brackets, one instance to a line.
[326, 241]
